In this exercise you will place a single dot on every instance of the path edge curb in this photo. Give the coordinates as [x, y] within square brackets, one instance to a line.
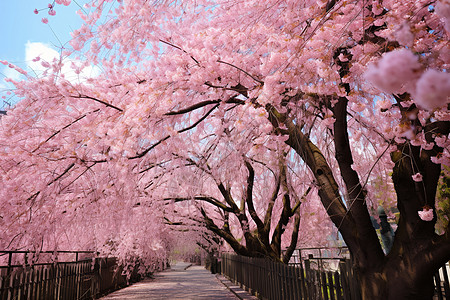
[235, 289]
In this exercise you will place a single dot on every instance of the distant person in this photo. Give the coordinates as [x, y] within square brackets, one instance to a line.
[386, 231]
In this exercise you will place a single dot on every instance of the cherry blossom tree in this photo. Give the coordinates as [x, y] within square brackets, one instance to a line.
[248, 201]
[356, 90]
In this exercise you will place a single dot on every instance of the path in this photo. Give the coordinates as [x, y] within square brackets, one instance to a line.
[181, 281]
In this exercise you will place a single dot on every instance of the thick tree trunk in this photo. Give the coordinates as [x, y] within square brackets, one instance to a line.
[399, 280]
[407, 272]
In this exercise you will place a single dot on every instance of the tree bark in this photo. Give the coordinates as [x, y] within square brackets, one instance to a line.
[407, 271]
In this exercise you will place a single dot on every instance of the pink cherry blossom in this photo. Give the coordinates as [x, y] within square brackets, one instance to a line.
[185, 100]
[433, 89]
[64, 2]
[443, 11]
[394, 71]
[44, 20]
[417, 177]
[426, 214]
[52, 12]
[36, 11]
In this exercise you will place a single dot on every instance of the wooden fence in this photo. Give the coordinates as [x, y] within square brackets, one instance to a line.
[79, 279]
[276, 281]
[272, 280]
[441, 283]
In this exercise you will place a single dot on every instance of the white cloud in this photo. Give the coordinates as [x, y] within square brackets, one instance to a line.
[39, 56]
[44, 52]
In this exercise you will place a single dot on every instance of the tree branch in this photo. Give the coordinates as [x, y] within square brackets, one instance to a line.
[237, 247]
[294, 239]
[68, 125]
[210, 200]
[141, 154]
[62, 174]
[358, 208]
[97, 100]
[316, 162]
[249, 197]
[192, 107]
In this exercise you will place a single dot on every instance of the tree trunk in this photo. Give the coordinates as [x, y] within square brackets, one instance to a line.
[407, 271]
[400, 278]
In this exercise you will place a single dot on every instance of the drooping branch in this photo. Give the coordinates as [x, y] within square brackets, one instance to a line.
[208, 199]
[141, 154]
[243, 71]
[192, 107]
[179, 48]
[67, 126]
[228, 198]
[97, 100]
[62, 174]
[225, 234]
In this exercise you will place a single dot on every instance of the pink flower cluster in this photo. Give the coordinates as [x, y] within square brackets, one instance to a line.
[443, 11]
[399, 71]
[426, 214]
[417, 177]
[393, 70]
[51, 10]
[432, 89]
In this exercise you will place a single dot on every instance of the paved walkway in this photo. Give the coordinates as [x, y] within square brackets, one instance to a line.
[181, 281]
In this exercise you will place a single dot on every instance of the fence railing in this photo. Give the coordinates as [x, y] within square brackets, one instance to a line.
[307, 280]
[264, 278]
[272, 280]
[84, 278]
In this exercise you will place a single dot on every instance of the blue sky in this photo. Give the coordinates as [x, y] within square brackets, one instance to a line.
[19, 26]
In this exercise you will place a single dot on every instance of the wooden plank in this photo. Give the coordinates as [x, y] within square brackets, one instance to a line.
[57, 281]
[289, 285]
[303, 282]
[273, 281]
[43, 283]
[337, 280]
[276, 278]
[64, 281]
[307, 278]
[283, 281]
[446, 282]
[299, 283]
[21, 287]
[332, 286]
[323, 281]
[37, 274]
[294, 283]
[344, 281]
[1, 287]
[268, 287]
[15, 285]
[28, 279]
[437, 284]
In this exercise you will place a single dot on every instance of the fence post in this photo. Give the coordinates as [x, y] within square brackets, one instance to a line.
[446, 282]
